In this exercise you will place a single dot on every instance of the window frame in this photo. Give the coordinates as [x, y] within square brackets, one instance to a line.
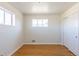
[12, 15]
[3, 16]
[38, 23]
[6, 19]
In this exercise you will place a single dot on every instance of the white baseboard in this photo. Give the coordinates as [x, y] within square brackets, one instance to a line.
[69, 49]
[44, 43]
[16, 49]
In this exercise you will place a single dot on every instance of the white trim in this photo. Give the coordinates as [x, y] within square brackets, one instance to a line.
[16, 49]
[70, 49]
[43, 43]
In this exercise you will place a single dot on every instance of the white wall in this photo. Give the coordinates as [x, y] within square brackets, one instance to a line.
[51, 34]
[58, 31]
[70, 28]
[11, 36]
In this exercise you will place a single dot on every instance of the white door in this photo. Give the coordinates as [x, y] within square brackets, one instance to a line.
[71, 32]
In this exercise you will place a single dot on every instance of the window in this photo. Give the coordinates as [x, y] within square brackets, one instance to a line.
[13, 20]
[45, 22]
[7, 17]
[1, 16]
[39, 22]
[34, 22]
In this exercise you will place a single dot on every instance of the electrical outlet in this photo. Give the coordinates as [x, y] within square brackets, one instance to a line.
[76, 37]
[33, 41]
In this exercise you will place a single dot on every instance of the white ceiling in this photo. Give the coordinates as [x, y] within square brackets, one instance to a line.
[42, 7]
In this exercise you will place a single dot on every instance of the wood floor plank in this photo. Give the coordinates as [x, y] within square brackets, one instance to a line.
[43, 50]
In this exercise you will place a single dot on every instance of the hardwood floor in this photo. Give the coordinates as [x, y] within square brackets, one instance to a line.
[43, 50]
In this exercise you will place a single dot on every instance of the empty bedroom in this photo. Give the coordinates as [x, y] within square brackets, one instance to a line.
[39, 29]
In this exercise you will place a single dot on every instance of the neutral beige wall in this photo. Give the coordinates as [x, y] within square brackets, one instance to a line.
[50, 35]
[11, 36]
